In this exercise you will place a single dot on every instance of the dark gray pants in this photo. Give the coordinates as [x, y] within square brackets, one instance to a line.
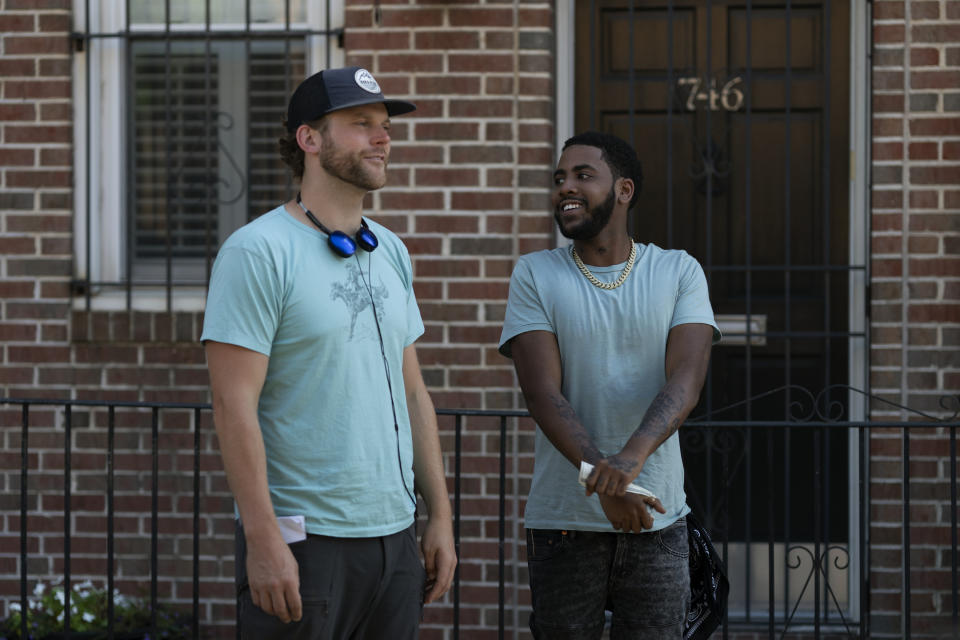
[351, 588]
[642, 578]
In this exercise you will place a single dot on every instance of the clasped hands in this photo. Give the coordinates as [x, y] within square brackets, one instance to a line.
[626, 511]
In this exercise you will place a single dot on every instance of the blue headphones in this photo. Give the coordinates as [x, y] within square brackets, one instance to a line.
[340, 243]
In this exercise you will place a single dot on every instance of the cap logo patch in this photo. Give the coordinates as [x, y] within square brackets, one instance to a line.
[365, 81]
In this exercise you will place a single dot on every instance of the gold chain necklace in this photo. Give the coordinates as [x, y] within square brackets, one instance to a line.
[598, 283]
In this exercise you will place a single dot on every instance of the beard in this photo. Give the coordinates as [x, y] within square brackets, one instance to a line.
[350, 168]
[597, 219]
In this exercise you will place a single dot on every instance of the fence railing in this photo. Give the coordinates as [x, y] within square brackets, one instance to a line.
[131, 496]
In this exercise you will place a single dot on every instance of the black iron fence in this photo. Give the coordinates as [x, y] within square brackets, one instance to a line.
[882, 564]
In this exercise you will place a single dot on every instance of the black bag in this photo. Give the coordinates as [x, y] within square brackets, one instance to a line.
[708, 584]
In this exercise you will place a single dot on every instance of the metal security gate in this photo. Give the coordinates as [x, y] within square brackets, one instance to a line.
[180, 105]
[741, 114]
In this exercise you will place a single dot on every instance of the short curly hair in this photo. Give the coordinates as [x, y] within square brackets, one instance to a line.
[619, 155]
[290, 152]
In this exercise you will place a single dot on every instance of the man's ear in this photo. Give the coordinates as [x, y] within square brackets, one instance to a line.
[309, 139]
[624, 189]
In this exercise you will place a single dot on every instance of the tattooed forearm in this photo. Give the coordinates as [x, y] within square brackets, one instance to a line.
[585, 448]
[664, 415]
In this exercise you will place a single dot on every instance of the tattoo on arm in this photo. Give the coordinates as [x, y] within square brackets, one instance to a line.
[568, 417]
[664, 415]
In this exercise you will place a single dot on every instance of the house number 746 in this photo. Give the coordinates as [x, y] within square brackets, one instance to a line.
[729, 97]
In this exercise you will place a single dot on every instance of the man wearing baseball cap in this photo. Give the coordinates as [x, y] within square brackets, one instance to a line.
[326, 428]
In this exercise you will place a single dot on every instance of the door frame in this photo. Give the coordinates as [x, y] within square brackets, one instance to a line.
[859, 229]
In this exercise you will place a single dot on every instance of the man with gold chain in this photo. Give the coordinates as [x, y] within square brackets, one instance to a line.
[611, 341]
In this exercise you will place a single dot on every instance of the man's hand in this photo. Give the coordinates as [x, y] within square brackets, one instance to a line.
[629, 513]
[274, 578]
[611, 475]
[439, 558]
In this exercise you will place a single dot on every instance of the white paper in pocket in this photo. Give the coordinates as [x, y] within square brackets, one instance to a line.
[292, 528]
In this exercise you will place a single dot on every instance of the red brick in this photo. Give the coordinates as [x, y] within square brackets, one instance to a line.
[888, 80]
[887, 127]
[440, 268]
[481, 378]
[411, 63]
[17, 245]
[479, 291]
[16, 289]
[37, 4]
[28, 134]
[935, 79]
[447, 356]
[416, 17]
[923, 244]
[535, 18]
[924, 199]
[941, 267]
[951, 150]
[886, 244]
[416, 154]
[481, 154]
[447, 130]
[481, 63]
[453, 85]
[17, 67]
[357, 18]
[934, 313]
[17, 353]
[36, 179]
[29, 89]
[924, 57]
[14, 332]
[535, 86]
[888, 10]
[34, 45]
[934, 222]
[929, 10]
[52, 67]
[17, 157]
[446, 40]
[923, 151]
[887, 150]
[17, 22]
[413, 201]
[947, 175]
[888, 33]
[499, 85]
[377, 41]
[447, 177]
[480, 201]
[52, 23]
[446, 224]
[936, 33]
[50, 111]
[481, 17]
[888, 103]
[481, 108]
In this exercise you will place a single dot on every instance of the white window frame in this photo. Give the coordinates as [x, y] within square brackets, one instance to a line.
[100, 175]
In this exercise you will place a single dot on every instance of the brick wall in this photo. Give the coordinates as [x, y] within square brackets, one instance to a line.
[915, 320]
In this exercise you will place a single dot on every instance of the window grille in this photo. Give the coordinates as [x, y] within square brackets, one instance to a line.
[188, 153]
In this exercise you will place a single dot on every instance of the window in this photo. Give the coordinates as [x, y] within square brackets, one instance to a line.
[177, 119]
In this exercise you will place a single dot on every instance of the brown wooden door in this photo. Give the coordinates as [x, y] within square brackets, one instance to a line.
[746, 159]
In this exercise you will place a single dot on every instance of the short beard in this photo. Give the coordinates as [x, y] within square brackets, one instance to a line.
[591, 228]
[348, 168]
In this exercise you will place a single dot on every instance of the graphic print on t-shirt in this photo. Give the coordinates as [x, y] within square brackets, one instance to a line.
[355, 295]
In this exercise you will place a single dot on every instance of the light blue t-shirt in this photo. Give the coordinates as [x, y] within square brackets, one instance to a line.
[612, 347]
[325, 410]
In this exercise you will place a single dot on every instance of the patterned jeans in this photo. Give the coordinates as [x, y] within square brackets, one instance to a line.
[643, 579]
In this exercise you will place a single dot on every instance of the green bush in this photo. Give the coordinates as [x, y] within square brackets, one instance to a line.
[89, 616]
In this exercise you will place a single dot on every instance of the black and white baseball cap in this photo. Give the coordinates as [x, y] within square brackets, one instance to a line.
[333, 89]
